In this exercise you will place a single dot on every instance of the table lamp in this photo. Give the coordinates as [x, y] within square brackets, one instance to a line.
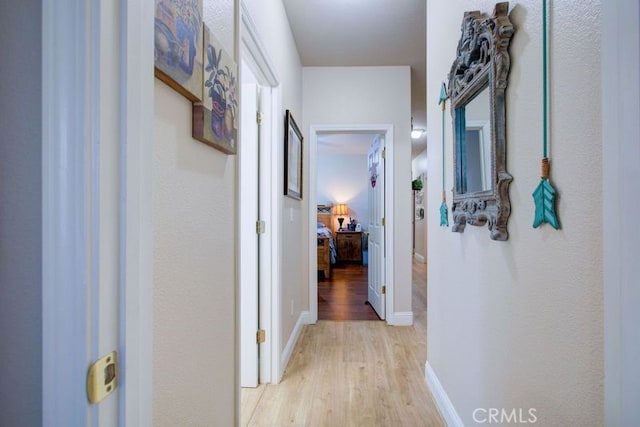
[341, 210]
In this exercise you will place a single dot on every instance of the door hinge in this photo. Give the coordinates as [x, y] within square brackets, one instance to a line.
[259, 117]
[102, 378]
[383, 222]
[384, 289]
[384, 153]
[260, 227]
[261, 336]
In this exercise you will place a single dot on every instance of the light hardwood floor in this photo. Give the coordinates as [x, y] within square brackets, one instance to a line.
[351, 373]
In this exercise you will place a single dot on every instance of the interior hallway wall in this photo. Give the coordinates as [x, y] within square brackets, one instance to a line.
[519, 324]
[376, 95]
[343, 178]
[272, 24]
[194, 310]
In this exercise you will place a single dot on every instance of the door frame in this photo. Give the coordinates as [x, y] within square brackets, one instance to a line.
[71, 120]
[620, 133]
[387, 131]
[254, 52]
[248, 239]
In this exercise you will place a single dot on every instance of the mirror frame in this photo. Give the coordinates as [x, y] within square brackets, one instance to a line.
[482, 59]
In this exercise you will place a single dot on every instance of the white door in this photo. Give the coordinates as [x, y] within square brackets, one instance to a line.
[376, 294]
[249, 211]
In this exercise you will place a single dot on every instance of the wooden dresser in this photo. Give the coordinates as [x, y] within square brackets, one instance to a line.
[349, 246]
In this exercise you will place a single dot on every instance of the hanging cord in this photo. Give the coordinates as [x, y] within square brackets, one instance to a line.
[545, 101]
[444, 107]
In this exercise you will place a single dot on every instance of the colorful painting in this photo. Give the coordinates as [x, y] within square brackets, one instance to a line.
[178, 46]
[215, 121]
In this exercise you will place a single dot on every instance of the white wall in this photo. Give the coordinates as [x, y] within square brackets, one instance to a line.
[21, 213]
[272, 24]
[419, 169]
[194, 310]
[519, 324]
[342, 178]
[364, 95]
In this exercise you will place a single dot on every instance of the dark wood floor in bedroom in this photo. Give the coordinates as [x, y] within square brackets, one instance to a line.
[343, 295]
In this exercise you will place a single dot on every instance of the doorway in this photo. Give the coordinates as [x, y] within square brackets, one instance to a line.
[318, 136]
[342, 196]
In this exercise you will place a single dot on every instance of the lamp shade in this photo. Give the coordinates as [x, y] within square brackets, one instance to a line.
[341, 209]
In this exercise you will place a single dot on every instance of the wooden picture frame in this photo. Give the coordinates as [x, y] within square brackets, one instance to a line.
[292, 158]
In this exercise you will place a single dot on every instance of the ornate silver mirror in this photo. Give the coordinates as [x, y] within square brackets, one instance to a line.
[477, 83]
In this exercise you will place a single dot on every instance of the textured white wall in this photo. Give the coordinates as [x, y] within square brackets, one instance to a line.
[343, 178]
[380, 95]
[272, 24]
[419, 168]
[519, 324]
[194, 352]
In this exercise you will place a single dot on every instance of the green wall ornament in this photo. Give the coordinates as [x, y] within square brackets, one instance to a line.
[444, 213]
[545, 199]
[544, 196]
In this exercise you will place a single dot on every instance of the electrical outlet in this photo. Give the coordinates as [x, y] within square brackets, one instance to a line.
[290, 214]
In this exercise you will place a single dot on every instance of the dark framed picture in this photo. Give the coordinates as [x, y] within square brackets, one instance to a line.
[292, 158]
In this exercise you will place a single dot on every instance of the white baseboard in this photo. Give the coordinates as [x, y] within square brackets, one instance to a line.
[419, 258]
[303, 319]
[445, 406]
[306, 318]
[402, 318]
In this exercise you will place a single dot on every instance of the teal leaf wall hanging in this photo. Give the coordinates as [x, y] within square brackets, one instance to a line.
[544, 197]
[444, 214]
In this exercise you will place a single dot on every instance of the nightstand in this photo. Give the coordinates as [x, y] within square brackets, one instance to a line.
[349, 246]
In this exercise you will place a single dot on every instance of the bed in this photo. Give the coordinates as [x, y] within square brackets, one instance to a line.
[326, 248]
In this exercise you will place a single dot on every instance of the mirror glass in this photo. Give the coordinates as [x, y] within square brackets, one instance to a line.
[475, 143]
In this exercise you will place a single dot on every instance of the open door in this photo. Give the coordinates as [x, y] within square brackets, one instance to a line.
[376, 289]
[248, 272]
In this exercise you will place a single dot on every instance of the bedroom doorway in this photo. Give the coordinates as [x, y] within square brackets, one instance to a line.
[340, 175]
[342, 195]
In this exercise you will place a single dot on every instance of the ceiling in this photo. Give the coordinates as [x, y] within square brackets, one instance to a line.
[365, 33]
[346, 143]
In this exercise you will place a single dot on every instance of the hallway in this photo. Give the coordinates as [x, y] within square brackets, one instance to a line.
[351, 373]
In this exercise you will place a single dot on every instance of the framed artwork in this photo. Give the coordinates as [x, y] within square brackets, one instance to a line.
[419, 201]
[215, 120]
[178, 46]
[292, 158]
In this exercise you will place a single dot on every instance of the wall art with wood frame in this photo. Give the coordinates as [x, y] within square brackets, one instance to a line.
[178, 46]
[215, 120]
